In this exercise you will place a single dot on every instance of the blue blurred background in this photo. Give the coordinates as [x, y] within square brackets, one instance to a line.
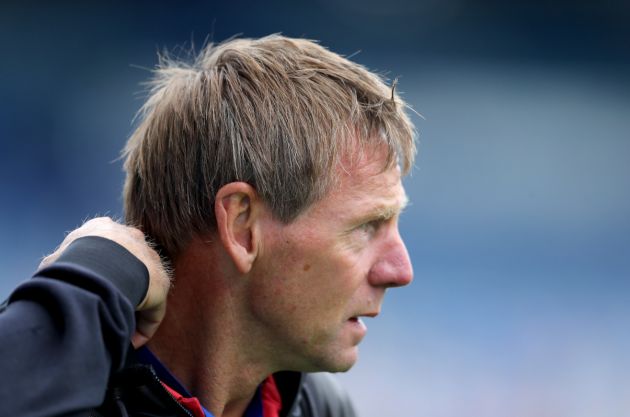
[519, 227]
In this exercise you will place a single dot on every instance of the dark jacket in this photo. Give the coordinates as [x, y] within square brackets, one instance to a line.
[137, 391]
[64, 345]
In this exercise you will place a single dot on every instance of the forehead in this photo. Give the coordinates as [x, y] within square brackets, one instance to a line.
[364, 183]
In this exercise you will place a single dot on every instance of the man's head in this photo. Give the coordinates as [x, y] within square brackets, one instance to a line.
[277, 113]
[270, 171]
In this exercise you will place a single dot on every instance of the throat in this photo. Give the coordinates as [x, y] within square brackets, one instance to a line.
[225, 382]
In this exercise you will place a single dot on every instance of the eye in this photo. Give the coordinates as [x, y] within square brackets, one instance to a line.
[370, 228]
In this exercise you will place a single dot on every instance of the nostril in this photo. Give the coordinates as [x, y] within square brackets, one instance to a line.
[390, 275]
[394, 270]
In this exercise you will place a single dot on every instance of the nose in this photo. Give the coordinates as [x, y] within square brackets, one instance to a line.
[393, 267]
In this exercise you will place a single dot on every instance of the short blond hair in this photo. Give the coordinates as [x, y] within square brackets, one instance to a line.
[277, 113]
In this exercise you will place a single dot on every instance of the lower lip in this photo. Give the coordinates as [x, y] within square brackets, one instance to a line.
[358, 325]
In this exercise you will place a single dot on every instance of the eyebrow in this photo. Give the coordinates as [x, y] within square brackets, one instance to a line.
[388, 212]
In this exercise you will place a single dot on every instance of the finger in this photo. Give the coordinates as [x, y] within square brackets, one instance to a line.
[47, 261]
[147, 323]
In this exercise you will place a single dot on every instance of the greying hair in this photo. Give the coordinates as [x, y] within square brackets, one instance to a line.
[277, 113]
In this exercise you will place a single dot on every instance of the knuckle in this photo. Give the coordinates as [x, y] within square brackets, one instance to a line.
[136, 233]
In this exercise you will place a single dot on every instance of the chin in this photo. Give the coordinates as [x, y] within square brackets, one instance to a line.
[339, 361]
[342, 368]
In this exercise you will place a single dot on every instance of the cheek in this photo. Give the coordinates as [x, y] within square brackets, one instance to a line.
[312, 297]
[309, 279]
[283, 288]
[336, 289]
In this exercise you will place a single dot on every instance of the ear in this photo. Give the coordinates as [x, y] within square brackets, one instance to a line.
[237, 209]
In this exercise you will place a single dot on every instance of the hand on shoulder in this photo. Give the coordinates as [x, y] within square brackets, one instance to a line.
[152, 308]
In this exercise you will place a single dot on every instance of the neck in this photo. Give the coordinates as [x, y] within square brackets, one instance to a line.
[203, 340]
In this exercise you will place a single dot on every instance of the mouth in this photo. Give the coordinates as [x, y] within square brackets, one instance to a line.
[356, 320]
[357, 327]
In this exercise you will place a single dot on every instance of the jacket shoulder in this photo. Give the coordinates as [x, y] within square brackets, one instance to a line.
[321, 395]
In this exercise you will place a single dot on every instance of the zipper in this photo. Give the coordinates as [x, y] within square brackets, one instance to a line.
[119, 402]
[158, 389]
[164, 390]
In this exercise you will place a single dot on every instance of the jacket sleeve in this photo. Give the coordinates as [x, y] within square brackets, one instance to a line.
[63, 332]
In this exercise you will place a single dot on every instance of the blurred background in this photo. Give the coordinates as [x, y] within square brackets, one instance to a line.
[519, 227]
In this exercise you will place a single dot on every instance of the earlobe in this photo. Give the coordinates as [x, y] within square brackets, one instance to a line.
[236, 210]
